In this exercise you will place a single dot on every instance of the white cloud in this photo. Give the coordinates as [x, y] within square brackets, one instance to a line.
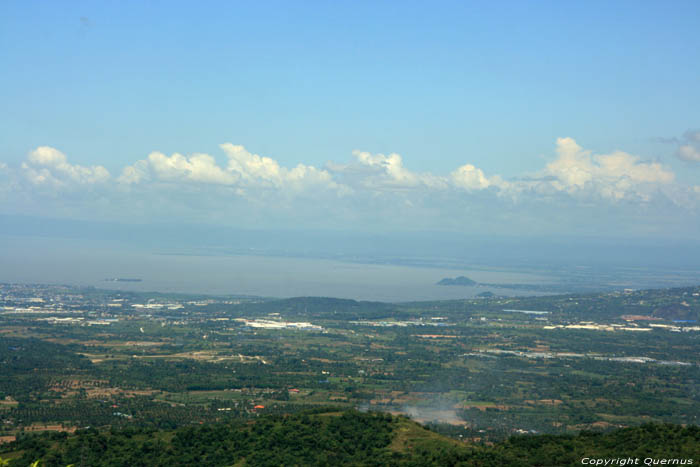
[389, 167]
[575, 171]
[689, 153]
[617, 175]
[133, 174]
[370, 188]
[47, 165]
[253, 169]
[380, 172]
[198, 168]
[244, 171]
[472, 178]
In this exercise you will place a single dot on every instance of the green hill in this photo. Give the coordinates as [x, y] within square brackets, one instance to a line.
[342, 438]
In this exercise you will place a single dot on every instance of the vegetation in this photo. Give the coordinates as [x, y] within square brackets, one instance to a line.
[341, 438]
[477, 371]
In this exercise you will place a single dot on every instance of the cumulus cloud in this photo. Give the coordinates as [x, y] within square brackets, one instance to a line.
[575, 171]
[390, 168]
[198, 168]
[243, 169]
[370, 187]
[47, 165]
[379, 172]
[133, 174]
[469, 177]
[389, 171]
[253, 169]
[617, 175]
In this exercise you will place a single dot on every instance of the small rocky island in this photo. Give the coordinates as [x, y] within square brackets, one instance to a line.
[461, 280]
[486, 294]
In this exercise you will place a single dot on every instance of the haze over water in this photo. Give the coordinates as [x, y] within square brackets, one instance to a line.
[80, 262]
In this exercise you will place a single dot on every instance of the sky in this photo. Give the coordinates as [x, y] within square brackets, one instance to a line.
[508, 118]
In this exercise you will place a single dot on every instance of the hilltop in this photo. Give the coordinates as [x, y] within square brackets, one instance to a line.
[332, 437]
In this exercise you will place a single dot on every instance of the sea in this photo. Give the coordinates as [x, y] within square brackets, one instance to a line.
[81, 262]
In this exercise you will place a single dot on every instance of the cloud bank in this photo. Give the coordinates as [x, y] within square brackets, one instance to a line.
[49, 166]
[367, 188]
[616, 176]
[243, 170]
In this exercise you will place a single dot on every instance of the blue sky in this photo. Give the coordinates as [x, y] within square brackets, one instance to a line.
[489, 85]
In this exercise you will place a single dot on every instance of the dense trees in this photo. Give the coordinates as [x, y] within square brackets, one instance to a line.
[306, 439]
[342, 438]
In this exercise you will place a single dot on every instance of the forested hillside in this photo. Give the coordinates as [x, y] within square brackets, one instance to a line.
[342, 438]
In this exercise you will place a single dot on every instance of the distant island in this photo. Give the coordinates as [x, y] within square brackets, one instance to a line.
[467, 282]
[122, 279]
[461, 280]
